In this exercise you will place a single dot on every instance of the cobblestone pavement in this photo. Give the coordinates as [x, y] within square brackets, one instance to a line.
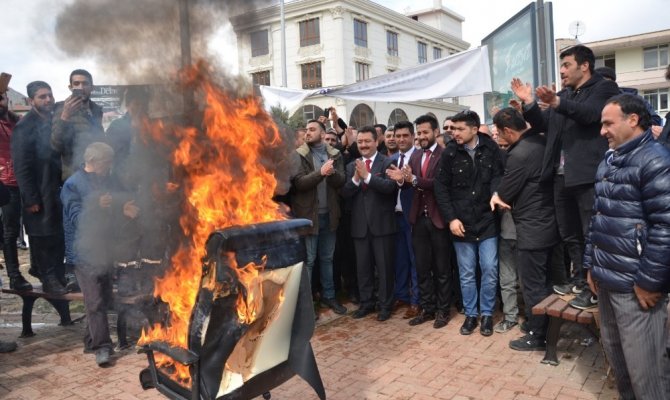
[358, 359]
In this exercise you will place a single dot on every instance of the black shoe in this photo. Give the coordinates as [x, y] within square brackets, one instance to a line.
[469, 325]
[103, 357]
[441, 320]
[383, 315]
[529, 342]
[524, 327]
[362, 312]
[334, 305]
[486, 329]
[20, 283]
[584, 301]
[51, 285]
[421, 318]
[7, 347]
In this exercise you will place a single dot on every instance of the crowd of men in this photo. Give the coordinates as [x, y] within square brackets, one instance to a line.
[569, 194]
[407, 216]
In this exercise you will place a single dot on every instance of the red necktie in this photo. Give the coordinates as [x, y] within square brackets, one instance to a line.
[424, 166]
[367, 164]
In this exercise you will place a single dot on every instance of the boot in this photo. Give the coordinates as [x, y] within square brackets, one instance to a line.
[51, 285]
[71, 284]
[20, 283]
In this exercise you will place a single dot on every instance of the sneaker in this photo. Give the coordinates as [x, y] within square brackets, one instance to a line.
[529, 342]
[334, 305]
[103, 357]
[71, 284]
[564, 289]
[584, 301]
[7, 347]
[504, 326]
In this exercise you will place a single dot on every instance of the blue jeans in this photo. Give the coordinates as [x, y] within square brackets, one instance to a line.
[467, 264]
[323, 246]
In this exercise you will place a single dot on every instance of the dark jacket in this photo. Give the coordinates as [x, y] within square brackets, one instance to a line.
[574, 127]
[463, 188]
[70, 138]
[38, 172]
[532, 200]
[304, 199]
[372, 205]
[629, 236]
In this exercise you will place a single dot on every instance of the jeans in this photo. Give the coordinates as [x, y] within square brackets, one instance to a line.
[323, 246]
[11, 224]
[466, 253]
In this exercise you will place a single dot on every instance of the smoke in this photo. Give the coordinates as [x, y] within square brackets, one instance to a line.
[138, 41]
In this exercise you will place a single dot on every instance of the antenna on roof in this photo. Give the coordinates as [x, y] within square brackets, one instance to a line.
[577, 28]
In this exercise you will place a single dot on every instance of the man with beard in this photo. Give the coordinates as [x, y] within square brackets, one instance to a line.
[319, 176]
[77, 122]
[430, 237]
[390, 142]
[38, 173]
[470, 170]
[531, 201]
[11, 212]
[373, 227]
[574, 148]
[406, 285]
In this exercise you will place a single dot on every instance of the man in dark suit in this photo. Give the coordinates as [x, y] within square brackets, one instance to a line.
[373, 226]
[406, 282]
[430, 238]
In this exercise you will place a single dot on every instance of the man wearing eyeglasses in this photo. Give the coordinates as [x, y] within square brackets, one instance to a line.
[447, 130]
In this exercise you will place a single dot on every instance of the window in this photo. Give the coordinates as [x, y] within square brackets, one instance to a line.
[259, 43]
[360, 33]
[362, 71]
[656, 56]
[423, 52]
[391, 43]
[658, 99]
[396, 116]
[309, 32]
[362, 115]
[437, 53]
[606, 61]
[311, 75]
[310, 112]
[261, 78]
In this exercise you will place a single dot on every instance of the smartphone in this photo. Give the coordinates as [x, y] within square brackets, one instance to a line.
[77, 92]
[326, 112]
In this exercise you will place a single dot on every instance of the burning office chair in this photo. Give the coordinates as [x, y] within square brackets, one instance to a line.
[229, 358]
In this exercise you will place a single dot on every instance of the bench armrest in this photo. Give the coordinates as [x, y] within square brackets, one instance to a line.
[179, 354]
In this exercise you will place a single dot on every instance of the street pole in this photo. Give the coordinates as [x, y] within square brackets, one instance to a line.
[283, 43]
[542, 45]
[185, 38]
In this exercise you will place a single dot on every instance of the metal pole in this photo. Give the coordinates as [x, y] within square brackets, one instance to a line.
[185, 37]
[542, 45]
[283, 43]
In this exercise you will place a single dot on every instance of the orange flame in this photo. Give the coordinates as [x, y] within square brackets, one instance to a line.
[225, 183]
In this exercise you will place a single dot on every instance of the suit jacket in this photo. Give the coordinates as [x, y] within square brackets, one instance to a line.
[406, 191]
[373, 205]
[424, 197]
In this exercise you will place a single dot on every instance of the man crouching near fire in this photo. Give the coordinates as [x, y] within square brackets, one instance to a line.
[90, 214]
[628, 250]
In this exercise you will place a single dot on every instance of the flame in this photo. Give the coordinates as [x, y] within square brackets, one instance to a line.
[225, 182]
[249, 305]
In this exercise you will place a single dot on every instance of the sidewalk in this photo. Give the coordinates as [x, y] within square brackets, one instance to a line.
[358, 359]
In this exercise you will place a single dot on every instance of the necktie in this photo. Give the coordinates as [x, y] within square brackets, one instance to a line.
[402, 160]
[424, 166]
[367, 164]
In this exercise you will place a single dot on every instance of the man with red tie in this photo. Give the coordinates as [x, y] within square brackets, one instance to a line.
[373, 224]
[430, 237]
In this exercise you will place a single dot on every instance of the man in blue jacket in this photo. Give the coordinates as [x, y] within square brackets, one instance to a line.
[627, 253]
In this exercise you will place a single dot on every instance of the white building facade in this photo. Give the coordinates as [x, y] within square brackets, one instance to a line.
[335, 43]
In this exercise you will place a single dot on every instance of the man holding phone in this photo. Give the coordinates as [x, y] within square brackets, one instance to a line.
[77, 122]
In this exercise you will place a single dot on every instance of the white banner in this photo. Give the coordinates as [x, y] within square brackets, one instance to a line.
[461, 74]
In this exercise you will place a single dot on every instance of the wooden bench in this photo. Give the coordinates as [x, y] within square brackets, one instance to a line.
[558, 311]
[122, 305]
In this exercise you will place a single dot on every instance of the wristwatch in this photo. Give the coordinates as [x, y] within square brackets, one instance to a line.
[414, 181]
